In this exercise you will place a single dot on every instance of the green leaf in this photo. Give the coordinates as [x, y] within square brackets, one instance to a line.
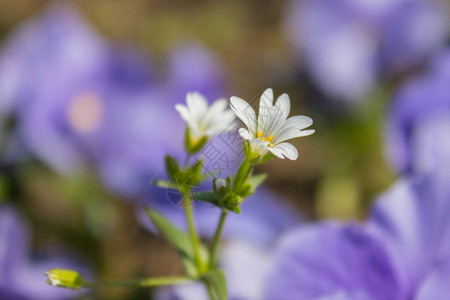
[166, 184]
[257, 180]
[216, 279]
[242, 174]
[209, 197]
[245, 191]
[172, 166]
[266, 158]
[180, 240]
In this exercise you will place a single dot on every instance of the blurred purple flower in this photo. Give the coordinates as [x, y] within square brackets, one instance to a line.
[419, 119]
[22, 277]
[81, 101]
[348, 44]
[401, 252]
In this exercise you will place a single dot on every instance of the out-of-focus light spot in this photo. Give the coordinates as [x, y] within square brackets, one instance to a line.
[338, 197]
[85, 112]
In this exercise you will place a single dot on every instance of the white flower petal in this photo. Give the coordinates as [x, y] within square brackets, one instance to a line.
[228, 118]
[266, 110]
[300, 122]
[214, 114]
[244, 112]
[291, 127]
[223, 124]
[218, 106]
[197, 105]
[245, 134]
[284, 106]
[184, 112]
[285, 150]
[291, 134]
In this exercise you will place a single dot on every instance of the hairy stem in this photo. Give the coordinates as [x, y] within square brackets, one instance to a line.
[210, 291]
[193, 232]
[148, 282]
[217, 238]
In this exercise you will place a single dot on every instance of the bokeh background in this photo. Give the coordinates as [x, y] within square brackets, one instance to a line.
[87, 95]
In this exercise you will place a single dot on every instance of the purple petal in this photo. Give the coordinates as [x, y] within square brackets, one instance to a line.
[416, 119]
[331, 260]
[413, 221]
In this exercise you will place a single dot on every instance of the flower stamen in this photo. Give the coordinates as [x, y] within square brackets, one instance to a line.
[260, 134]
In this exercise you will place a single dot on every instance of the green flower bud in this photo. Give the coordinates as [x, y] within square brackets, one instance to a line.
[192, 143]
[220, 187]
[67, 279]
[232, 201]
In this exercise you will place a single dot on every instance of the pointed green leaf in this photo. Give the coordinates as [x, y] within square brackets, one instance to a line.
[241, 175]
[209, 197]
[245, 190]
[216, 279]
[166, 184]
[180, 240]
[172, 166]
[257, 180]
[266, 158]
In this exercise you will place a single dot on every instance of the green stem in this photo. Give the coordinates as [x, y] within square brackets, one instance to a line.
[217, 238]
[148, 282]
[210, 291]
[193, 232]
[186, 161]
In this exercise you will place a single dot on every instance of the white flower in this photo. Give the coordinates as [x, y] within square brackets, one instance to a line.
[273, 126]
[203, 120]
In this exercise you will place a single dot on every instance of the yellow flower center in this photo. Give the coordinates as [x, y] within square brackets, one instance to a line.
[269, 139]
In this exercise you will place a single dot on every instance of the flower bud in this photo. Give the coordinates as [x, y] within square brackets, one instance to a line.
[65, 278]
[194, 144]
[232, 201]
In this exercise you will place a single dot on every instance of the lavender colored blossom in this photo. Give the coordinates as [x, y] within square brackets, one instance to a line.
[21, 276]
[48, 59]
[348, 44]
[419, 119]
[400, 252]
[83, 102]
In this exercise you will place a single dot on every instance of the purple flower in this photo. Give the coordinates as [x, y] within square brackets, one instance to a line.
[21, 276]
[348, 44]
[50, 59]
[82, 102]
[401, 252]
[419, 119]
